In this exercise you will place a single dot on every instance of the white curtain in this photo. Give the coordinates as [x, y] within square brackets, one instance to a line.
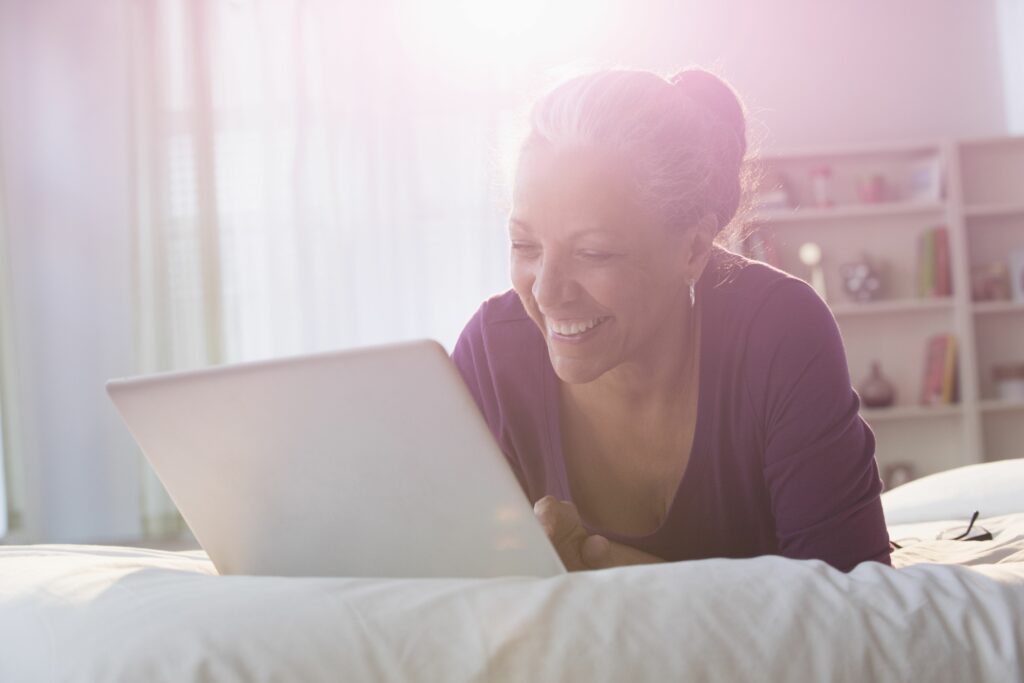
[303, 184]
[1011, 38]
[7, 510]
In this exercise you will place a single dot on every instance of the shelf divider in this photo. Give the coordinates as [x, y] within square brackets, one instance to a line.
[847, 211]
[910, 412]
[886, 307]
[993, 307]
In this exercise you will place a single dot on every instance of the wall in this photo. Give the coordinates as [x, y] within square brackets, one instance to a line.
[837, 73]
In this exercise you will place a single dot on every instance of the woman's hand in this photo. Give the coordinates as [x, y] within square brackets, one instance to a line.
[578, 549]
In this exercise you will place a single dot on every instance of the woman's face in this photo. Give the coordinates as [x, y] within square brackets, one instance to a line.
[601, 277]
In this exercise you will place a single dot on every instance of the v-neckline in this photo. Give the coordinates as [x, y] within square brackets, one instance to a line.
[553, 411]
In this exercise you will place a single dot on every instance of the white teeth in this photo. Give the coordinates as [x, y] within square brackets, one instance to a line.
[573, 328]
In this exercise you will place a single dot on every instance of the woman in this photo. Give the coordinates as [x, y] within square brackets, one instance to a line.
[658, 397]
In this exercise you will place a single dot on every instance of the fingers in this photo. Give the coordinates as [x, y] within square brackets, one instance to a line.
[596, 552]
[578, 550]
[561, 523]
[559, 518]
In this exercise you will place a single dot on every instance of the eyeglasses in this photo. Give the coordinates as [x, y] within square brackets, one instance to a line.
[957, 533]
[967, 533]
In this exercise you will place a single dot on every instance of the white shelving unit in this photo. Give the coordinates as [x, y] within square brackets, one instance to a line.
[977, 210]
[990, 307]
[892, 306]
[980, 200]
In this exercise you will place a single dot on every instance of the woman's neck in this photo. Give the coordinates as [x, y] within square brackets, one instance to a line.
[654, 379]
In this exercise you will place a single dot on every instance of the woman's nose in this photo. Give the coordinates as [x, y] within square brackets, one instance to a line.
[552, 284]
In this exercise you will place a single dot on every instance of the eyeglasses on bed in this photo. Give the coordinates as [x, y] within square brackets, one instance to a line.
[967, 533]
[957, 533]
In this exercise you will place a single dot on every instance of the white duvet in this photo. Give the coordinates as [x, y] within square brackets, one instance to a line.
[90, 613]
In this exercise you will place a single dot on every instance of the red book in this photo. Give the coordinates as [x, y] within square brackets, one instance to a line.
[920, 265]
[943, 281]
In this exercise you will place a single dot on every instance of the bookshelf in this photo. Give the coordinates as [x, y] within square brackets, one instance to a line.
[876, 204]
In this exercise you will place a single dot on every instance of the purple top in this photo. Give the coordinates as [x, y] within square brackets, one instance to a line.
[781, 461]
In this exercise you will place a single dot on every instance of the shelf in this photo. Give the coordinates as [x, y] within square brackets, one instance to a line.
[991, 141]
[997, 405]
[909, 148]
[881, 210]
[1006, 209]
[892, 306]
[909, 412]
[991, 307]
[982, 207]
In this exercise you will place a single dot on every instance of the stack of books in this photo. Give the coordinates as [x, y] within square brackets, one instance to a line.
[933, 272]
[939, 385]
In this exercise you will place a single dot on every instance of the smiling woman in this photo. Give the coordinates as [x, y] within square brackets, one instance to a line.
[659, 397]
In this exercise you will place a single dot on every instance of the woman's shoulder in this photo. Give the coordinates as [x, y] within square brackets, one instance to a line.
[743, 278]
[498, 354]
[503, 308]
[745, 291]
[501, 313]
[500, 327]
[772, 327]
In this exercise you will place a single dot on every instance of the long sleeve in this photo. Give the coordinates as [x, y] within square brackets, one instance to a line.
[819, 465]
[471, 358]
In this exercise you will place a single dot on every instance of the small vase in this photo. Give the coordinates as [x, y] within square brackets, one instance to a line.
[877, 391]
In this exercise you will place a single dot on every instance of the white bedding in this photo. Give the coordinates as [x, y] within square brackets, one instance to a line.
[994, 488]
[89, 613]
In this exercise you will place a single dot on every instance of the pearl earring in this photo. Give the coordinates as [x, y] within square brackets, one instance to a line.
[693, 295]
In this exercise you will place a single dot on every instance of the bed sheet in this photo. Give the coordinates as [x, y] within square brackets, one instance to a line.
[91, 613]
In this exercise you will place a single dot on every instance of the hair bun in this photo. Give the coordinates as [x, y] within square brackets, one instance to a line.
[726, 135]
[712, 93]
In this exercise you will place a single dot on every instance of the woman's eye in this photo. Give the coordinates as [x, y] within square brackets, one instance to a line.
[524, 248]
[592, 255]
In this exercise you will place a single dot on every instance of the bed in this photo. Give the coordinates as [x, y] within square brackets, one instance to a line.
[951, 611]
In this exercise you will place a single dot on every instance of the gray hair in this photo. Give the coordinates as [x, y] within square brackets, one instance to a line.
[684, 137]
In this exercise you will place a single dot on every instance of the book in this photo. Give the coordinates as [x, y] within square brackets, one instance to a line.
[920, 265]
[925, 264]
[939, 384]
[950, 385]
[934, 277]
[1015, 263]
[943, 281]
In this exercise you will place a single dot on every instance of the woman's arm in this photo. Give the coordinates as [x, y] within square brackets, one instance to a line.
[471, 358]
[577, 548]
[819, 463]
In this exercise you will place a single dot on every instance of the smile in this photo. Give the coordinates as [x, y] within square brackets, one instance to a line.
[572, 328]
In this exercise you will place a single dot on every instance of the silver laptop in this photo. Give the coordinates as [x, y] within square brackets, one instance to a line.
[374, 462]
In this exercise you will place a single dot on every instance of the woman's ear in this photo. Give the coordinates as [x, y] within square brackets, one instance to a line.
[699, 240]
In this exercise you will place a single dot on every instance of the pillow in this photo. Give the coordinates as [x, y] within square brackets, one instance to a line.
[992, 488]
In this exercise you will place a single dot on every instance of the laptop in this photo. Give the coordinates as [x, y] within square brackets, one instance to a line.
[372, 462]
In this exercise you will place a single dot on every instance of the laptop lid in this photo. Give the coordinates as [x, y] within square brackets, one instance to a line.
[370, 462]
